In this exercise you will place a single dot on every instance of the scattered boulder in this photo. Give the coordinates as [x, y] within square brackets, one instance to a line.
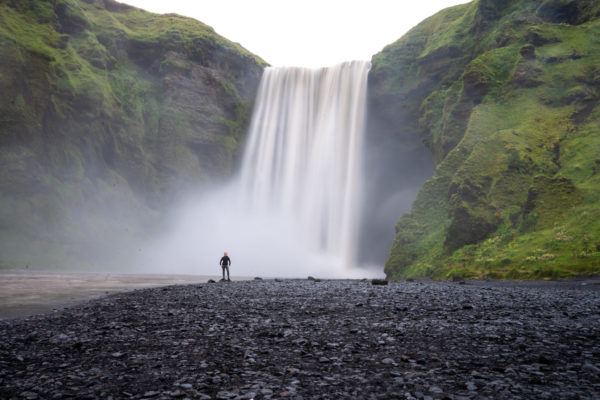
[257, 278]
[211, 281]
[379, 282]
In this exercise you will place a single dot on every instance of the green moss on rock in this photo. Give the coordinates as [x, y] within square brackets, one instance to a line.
[107, 108]
[506, 98]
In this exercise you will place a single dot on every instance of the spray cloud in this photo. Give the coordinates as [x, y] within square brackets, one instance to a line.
[294, 208]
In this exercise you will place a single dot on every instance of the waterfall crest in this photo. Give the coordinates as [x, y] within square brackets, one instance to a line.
[303, 156]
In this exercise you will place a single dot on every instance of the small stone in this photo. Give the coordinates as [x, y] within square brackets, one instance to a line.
[544, 359]
[258, 278]
[591, 368]
[471, 386]
[60, 338]
[435, 390]
[388, 361]
[186, 386]
[117, 354]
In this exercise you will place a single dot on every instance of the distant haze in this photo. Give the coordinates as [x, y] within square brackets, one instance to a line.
[309, 33]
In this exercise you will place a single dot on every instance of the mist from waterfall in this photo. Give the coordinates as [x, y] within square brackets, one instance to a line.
[294, 207]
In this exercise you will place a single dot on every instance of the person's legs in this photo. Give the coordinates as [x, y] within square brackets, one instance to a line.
[227, 273]
[223, 268]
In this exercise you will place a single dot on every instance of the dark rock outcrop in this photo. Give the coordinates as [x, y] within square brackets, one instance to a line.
[572, 12]
[528, 52]
[108, 113]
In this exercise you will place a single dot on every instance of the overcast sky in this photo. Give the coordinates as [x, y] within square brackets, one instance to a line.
[310, 33]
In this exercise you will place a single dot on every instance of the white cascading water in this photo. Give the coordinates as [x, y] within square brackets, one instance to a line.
[294, 209]
[303, 156]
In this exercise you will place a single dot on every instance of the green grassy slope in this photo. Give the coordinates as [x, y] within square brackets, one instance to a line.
[107, 113]
[507, 97]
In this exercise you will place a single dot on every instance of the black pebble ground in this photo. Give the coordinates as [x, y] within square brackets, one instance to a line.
[305, 339]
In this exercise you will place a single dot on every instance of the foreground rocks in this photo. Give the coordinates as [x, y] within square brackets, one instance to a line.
[306, 339]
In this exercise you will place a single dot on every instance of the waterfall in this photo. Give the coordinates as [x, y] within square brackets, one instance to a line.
[303, 156]
[294, 207]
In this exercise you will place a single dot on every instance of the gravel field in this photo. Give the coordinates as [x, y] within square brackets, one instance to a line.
[310, 339]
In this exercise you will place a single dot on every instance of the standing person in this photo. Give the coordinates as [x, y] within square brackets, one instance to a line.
[225, 263]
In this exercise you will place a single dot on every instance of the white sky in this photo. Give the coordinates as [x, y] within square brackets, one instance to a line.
[310, 33]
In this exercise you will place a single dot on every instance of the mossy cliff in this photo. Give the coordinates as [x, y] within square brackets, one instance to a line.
[108, 113]
[506, 96]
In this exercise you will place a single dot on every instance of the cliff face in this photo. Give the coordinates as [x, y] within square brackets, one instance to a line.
[506, 96]
[107, 114]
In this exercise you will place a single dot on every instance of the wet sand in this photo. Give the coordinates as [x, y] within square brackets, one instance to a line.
[24, 293]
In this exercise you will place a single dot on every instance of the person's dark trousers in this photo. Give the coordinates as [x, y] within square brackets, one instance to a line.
[225, 267]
